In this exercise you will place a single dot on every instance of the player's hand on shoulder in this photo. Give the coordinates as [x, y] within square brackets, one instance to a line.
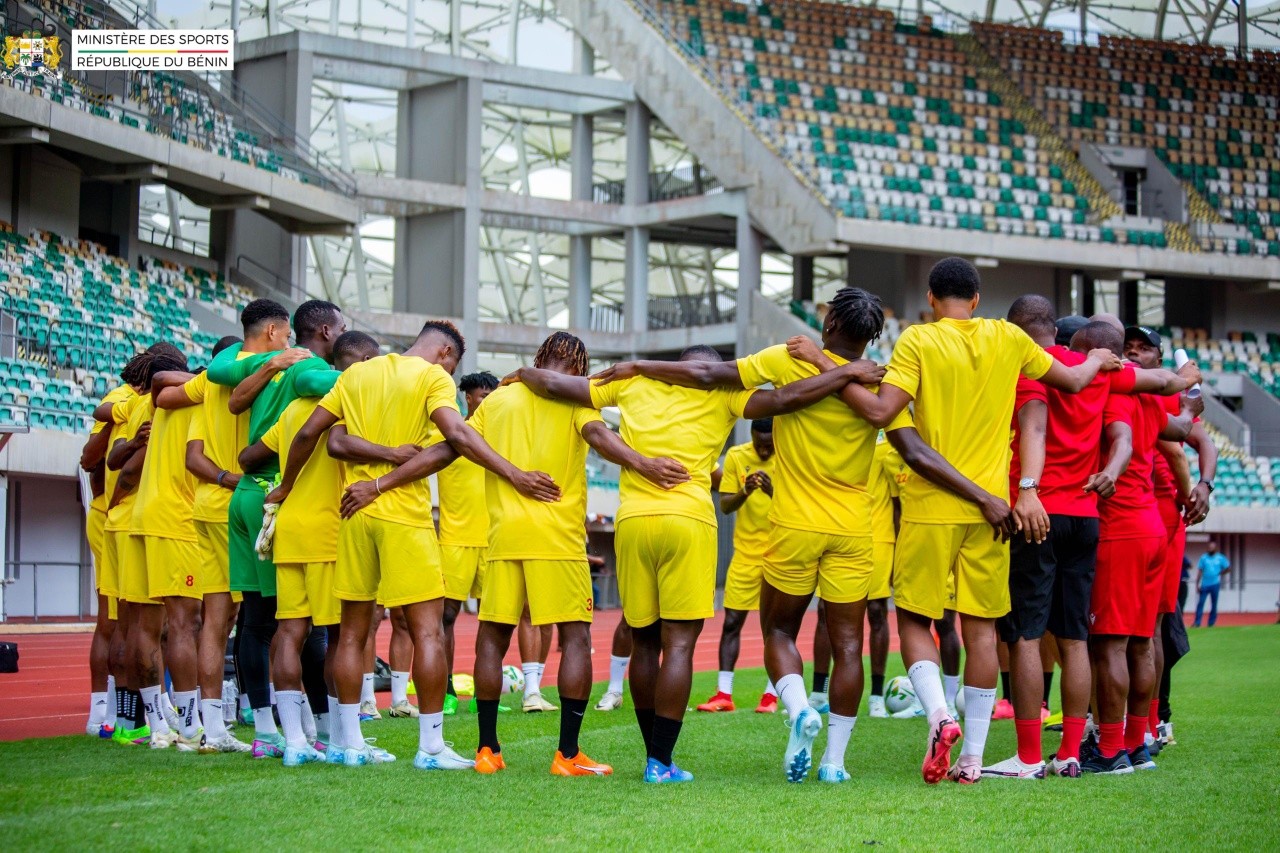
[1110, 361]
[616, 373]
[864, 371]
[511, 378]
[357, 496]
[537, 486]
[287, 358]
[803, 348]
[1101, 483]
[664, 472]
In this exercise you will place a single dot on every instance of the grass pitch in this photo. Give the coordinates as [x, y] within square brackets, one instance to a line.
[1217, 788]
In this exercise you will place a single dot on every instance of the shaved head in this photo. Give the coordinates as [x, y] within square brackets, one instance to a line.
[1098, 334]
[1110, 320]
[1034, 315]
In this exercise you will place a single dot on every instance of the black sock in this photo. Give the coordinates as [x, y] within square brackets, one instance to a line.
[665, 733]
[877, 685]
[571, 712]
[487, 713]
[122, 707]
[644, 718]
[1004, 685]
[448, 687]
[819, 682]
[139, 716]
[1048, 686]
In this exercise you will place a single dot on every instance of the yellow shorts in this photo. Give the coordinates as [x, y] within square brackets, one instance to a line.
[173, 568]
[463, 571]
[108, 567]
[131, 565]
[804, 562]
[96, 534]
[666, 568]
[555, 590]
[742, 584]
[215, 569]
[960, 567]
[882, 570]
[305, 591]
[391, 563]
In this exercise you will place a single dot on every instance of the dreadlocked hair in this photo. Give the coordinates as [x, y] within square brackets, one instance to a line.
[131, 373]
[563, 347]
[157, 359]
[859, 313]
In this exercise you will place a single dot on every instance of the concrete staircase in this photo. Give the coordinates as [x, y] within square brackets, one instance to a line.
[689, 98]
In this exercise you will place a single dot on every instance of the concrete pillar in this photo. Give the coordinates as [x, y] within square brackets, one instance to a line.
[636, 240]
[750, 245]
[263, 250]
[802, 278]
[437, 255]
[582, 161]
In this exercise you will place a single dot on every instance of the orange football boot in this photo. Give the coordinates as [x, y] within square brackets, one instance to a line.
[718, 702]
[488, 761]
[579, 765]
[768, 704]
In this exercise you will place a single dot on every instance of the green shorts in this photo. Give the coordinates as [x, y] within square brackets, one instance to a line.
[244, 523]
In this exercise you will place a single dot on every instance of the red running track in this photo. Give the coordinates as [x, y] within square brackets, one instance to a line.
[49, 695]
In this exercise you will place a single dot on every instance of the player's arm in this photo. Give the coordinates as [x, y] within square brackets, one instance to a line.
[95, 449]
[469, 443]
[688, 374]
[930, 464]
[258, 454]
[346, 447]
[202, 467]
[800, 395]
[122, 451]
[131, 472]
[102, 414]
[554, 385]
[1178, 427]
[1166, 382]
[878, 408]
[1120, 450]
[1198, 500]
[426, 462]
[1028, 513]
[731, 502]
[661, 471]
[316, 383]
[304, 444]
[166, 389]
[1073, 380]
[248, 388]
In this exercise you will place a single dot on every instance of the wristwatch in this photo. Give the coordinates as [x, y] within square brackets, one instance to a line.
[1026, 483]
[1208, 483]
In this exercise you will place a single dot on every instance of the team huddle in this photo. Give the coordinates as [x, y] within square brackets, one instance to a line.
[1020, 473]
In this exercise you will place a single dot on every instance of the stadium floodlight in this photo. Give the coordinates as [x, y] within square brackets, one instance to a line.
[986, 263]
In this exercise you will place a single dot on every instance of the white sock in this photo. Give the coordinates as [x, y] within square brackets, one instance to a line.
[151, 704]
[308, 721]
[724, 682]
[951, 686]
[333, 727]
[244, 701]
[431, 732]
[111, 687]
[349, 726]
[542, 667]
[98, 707]
[839, 728]
[366, 690]
[188, 721]
[211, 715]
[978, 705]
[770, 688]
[617, 672]
[263, 722]
[928, 686]
[399, 687]
[532, 678]
[289, 704]
[792, 693]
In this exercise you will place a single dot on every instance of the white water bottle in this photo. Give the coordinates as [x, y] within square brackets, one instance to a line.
[1179, 359]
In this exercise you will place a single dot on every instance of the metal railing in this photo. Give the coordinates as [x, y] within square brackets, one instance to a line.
[681, 182]
[14, 574]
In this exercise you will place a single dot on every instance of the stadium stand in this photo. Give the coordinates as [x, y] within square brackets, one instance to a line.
[1210, 117]
[892, 121]
[1242, 480]
[79, 314]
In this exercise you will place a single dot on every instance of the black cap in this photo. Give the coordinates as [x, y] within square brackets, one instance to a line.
[1142, 333]
[1067, 327]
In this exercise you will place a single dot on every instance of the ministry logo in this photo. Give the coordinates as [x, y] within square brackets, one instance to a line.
[33, 48]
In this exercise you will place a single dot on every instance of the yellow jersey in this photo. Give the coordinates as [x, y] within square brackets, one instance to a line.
[224, 436]
[307, 523]
[962, 375]
[389, 400]
[166, 492]
[824, 453]
[685, 424]
[751, 521]
[536, 435]
[888, 474]
[116, 396]
[129, 417]
[464, 510]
